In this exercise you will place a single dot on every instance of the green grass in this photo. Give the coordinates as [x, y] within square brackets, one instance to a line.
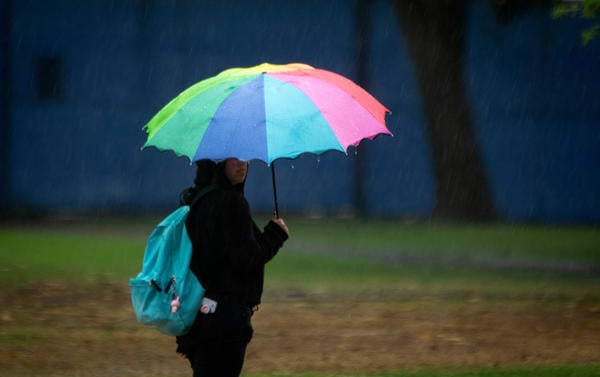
[561, 243]
[321, 255]
[333, 257]
[40, 255]
[325, 274]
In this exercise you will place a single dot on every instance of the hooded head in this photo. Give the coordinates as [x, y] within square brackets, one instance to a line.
[228, 173]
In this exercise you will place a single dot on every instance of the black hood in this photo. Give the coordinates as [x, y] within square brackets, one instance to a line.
[210, 173]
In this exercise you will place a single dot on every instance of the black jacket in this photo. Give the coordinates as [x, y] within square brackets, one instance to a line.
[229, 250]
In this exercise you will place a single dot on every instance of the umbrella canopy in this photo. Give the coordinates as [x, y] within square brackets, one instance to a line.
[267, 112]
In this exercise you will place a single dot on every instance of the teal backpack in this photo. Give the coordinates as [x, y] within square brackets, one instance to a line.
[166, 294]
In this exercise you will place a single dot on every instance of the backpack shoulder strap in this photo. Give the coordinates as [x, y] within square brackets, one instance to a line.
[201, 193]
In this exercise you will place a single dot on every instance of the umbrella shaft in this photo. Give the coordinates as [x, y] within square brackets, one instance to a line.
[274, 189]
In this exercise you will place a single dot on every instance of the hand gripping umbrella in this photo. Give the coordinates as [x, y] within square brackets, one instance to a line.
[267, 112]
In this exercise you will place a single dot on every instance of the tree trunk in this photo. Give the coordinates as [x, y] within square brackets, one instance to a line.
[434, 31]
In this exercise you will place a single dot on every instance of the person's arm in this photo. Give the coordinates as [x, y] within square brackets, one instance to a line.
[246, 246]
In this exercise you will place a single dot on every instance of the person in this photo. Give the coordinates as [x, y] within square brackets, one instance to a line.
[228, 258]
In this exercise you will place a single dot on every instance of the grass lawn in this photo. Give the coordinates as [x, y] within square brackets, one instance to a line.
[426, 277]
[329, 255]
[546, 242]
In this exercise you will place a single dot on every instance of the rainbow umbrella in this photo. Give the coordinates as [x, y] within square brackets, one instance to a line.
[267, 112]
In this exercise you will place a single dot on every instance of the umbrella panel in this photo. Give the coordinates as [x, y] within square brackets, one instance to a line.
[190, 115]
[266, 119]
[237, 128]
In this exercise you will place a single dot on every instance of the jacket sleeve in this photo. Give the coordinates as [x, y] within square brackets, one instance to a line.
[245, 245]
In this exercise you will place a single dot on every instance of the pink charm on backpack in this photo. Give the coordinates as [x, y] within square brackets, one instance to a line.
[175, 304]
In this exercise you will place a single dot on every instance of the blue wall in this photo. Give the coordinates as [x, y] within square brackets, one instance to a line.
[533, 88]
[535, 95]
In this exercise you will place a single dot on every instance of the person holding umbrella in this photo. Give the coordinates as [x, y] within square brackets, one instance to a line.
[265, 112]
[229, 254]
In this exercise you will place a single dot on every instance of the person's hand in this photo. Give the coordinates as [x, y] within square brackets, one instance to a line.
[279, 221]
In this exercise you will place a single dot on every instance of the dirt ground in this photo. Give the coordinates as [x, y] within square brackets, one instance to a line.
[59, 330]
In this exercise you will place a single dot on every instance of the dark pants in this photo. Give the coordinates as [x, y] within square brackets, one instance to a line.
[216, 344]
[220, 360]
